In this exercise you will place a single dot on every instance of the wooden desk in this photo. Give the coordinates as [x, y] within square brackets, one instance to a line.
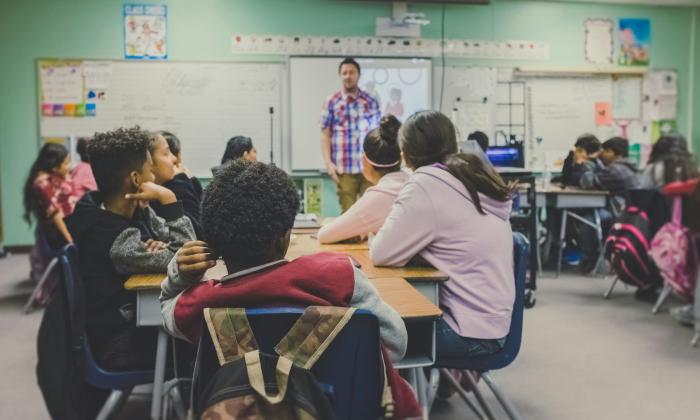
[417, 311]
[397, 292]
[425, 279]
[304, 244]
[419, 314]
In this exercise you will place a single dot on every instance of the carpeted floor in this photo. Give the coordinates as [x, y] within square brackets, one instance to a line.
[582, 357]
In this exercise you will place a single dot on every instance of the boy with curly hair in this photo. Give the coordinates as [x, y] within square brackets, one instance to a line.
[248, 212]
[118, 235]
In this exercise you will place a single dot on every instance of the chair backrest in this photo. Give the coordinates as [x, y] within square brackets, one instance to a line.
[350, 368]
[501, 359]
[92, 372]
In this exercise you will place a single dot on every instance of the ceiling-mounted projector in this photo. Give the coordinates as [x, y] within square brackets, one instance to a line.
[402, 23]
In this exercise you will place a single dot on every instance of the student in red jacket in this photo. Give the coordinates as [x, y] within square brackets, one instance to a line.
[248, 212]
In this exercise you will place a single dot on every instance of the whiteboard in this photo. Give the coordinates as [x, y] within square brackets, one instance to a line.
[561, 109]
[313, 79]
[204, 104]
[468, 98]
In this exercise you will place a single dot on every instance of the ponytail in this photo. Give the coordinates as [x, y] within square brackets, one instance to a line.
[477, 178]
[429, 137]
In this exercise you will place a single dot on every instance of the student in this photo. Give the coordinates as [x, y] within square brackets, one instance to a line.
[580, 160]
[381, 166]
[252, 237]
[481, 138]
[454, 213]
[168, 174]
[83, 180]
[48, 198]
[612, 171]
[176, 149]
[669, 161]
[118, 235]
[238, 147]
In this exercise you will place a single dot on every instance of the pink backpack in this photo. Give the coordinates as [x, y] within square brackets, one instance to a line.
[673, 251]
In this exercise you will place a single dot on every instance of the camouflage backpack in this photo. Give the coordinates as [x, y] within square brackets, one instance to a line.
[241, 387]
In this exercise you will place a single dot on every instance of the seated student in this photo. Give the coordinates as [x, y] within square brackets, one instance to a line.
[481, 138]
[118, 235]
[669, 161]
[180, 168]
[168, 174]
[454, 213]
[612, 171]
[238, 147]
[83, 180]
[381, 166]
[48, 198]
[252, 237]
[580, 160]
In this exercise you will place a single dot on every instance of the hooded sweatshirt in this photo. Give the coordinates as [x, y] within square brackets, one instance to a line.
[617, 177]
[112, 247]
[368, 213]
[434, 217]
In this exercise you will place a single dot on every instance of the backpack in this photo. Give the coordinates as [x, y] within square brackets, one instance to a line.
[627, 249]
[673, 251]
[243, 385]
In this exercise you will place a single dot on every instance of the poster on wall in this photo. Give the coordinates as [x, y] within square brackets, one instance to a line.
[599, 41]
[635, 38]
[61, 89]
[145, 31]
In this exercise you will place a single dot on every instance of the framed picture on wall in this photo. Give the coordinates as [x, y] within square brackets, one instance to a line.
[145, 31]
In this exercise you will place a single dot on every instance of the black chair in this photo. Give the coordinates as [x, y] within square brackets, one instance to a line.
[120, 383]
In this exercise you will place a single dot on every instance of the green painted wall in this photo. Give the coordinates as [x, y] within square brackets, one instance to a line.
[201, 30]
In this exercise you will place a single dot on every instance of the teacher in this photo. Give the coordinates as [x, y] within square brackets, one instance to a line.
[347, 116]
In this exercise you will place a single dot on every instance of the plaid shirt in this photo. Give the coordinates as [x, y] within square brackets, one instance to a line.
[349, 118]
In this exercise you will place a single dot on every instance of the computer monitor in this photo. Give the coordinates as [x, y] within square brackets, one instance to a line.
[510, 155]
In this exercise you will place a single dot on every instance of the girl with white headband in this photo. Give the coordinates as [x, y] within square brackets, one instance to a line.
[381, 165]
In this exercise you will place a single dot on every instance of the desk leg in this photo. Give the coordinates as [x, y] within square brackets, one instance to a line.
[159, 376]
[422, 391]
[599, 233]
[562, 236]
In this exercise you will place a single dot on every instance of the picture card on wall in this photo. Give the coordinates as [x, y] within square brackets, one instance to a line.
[145, 31]
[599, 41]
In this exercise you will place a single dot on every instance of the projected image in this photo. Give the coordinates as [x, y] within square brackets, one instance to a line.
[402, 88]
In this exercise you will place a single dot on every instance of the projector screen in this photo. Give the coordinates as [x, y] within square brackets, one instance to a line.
[402, 86]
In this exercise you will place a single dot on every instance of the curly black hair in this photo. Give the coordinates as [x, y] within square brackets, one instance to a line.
[246, 207]
[114, 154]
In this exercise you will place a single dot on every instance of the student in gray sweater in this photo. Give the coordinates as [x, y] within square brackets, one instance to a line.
[118, 235]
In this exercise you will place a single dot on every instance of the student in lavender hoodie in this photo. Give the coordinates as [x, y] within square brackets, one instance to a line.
[381, 166]
[454, 214]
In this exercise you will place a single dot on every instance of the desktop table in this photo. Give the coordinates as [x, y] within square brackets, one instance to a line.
[568, 199]
[417, 305]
